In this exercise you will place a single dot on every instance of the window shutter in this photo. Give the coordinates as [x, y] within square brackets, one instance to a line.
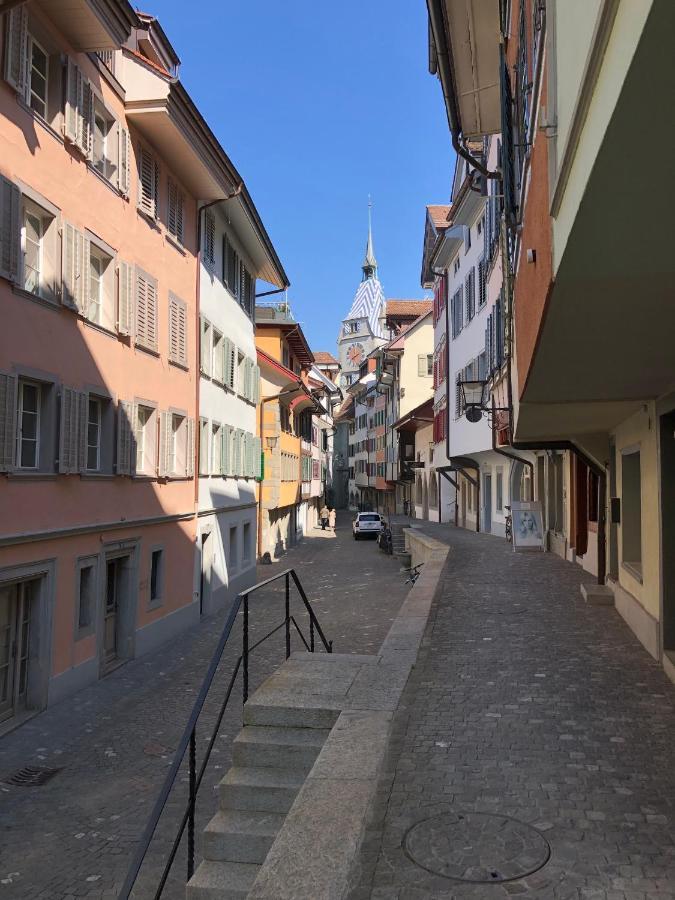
[257, 449]
[245, 455]
[148, 183]
[71, 126]
[174, 350]
[68, 431]
[8, 388]
[86, 117]
[164, 467]
[226, 452]
[123, 154]
[190, 448]
[10, 227]
[74, 268]
[82, 428]
[209, 238]
[237, 466]
[125, 298]
[146, 310]
[255, 394]
[125, 437]
[422, 364]
[175, 211]
[16, 41]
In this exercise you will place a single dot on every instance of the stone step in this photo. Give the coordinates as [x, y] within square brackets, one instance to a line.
[283, 748]
[259, 711]
[221, 881]
[240, 835]
[263, 789]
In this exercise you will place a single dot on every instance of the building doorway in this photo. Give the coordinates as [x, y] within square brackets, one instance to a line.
[118, 612]
[205, 572]
[667, 484]
[17, 603]
[487, 503]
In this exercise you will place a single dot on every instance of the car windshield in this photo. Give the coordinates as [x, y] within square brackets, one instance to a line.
[373, 517]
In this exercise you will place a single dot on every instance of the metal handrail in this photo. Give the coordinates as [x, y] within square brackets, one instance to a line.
[188, 738]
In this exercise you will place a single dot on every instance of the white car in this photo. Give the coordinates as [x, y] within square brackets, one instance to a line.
[367, 524]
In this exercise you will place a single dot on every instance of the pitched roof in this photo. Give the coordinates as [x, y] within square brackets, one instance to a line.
[408, 308]
[322, 358]
[439, 215]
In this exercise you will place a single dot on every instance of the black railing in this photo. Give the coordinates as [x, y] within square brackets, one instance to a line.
[188, 741]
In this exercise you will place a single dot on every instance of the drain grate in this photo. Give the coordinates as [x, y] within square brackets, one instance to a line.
[31, 776]
[476, 847]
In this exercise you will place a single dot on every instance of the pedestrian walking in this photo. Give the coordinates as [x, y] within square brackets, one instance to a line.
[323, 515]
[332, 515]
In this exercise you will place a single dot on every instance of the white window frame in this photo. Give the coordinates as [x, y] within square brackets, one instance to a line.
[99, 424]
[141, 438]
[32, 42]
[28, 211]
[23, 382]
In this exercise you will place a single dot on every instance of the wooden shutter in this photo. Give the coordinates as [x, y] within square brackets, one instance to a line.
[174, 316]
[209, 238]
[230, 352]
[190, 447]
[8, 390]
[10, 228]
[175, 211]
[422, 364]
[165, 435]
[75, 269]
[146, 310]
[16, 41]
[125, 303]
[257, 449]
[85, 131]
[237, 463]
[123, 154]
[226, 451]
[69, 431]
[255, 394]
[148, 183]
[125, 438]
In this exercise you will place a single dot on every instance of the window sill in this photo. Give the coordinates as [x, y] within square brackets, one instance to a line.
[634, 570]
[154, 604]
[151, 220]
[143, 477]
[149, 350]
[179, 365]
[19, 475]
[106, 181]
[102, 328]
[97, 476]
[43, 123]
[36, 298]
[175, 243]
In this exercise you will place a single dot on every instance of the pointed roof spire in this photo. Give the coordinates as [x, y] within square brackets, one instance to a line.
[369, 263]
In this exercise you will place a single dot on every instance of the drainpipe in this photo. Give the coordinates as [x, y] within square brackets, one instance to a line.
[445, 66]
[513, 456]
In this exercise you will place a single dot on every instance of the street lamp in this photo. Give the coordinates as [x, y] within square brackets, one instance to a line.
[272, 441]
[473, 402]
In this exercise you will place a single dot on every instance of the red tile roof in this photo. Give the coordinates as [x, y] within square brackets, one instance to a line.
[439, 215]
[321, 358]
[408, 309]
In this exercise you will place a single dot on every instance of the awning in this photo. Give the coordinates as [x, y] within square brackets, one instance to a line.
[417, 418]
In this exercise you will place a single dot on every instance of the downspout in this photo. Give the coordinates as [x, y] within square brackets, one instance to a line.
[513, 456]
[444, 58]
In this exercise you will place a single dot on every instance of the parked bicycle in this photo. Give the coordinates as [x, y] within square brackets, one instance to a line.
[384, 540]
[508, 524]
[413, 573]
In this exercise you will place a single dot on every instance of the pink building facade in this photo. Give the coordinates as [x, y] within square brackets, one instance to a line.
[98, 376]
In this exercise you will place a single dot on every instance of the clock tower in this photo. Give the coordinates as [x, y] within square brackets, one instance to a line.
[363, 328]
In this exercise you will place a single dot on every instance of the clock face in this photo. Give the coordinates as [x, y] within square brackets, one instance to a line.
[355, 354]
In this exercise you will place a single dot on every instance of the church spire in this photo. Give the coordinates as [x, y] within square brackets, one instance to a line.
[369, 265]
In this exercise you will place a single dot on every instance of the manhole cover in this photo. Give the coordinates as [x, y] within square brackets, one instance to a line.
[476, 847]
[31, 776]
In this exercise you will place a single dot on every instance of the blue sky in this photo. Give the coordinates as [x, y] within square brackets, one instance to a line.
[319, 104]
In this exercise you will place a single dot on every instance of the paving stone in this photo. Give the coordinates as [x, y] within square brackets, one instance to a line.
[115, 740]
[485, 726]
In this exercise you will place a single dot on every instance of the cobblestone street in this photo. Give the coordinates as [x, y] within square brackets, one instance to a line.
[526, 703]
[73, 837]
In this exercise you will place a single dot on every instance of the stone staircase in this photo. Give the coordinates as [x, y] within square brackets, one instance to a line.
[272, 756]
